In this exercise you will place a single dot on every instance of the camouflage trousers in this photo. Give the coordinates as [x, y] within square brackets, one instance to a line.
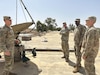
[65, 48]
[78, 55]
[89, 65]
[9, 61]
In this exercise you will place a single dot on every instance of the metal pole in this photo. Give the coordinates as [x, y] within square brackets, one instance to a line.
[27, 11]
[16, 12]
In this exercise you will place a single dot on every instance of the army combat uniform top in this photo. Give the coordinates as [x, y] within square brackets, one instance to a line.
[7, 38]
[65, 34]
[91, 47]
[91, 42]
[79, 34]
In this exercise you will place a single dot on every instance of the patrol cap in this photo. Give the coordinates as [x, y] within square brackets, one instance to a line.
[92, 18]
[77, 19]
[6, 17]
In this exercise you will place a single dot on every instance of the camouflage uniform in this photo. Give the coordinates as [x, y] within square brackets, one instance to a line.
[78, 38]
[7, 43]
[65, 37]
[91, 47]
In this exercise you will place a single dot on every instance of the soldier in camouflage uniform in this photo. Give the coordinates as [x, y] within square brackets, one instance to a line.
[78, 38]
[90, 46]
[7, 45]
[65, 37]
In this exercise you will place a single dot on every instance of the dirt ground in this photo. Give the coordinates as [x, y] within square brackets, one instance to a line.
[50, 40]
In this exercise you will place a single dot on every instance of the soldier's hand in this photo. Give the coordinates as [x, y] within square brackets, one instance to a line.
[84, 57]
[7, 53]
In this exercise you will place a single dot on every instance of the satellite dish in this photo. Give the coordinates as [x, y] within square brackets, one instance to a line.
[17, 28]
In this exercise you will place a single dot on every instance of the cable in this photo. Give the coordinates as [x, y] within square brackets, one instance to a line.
[28, 12]
[23, 11]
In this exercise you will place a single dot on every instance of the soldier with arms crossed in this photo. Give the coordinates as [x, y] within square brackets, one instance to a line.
[65, 37]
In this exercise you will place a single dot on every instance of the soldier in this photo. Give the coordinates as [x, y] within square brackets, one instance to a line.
[90, 46]
[65, 37]
[78, 38]
[7, 44]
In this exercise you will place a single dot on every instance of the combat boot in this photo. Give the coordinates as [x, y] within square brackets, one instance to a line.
[75, 70]
[0, 56]
[78, 66]
[10, 73]
[66, 59]
[5, 73]
[39, 70]
[63, 57]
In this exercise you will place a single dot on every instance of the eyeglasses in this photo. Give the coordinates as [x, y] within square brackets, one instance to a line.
[10, 20]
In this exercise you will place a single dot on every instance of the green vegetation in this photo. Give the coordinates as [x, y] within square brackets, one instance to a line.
[50, 24]
[71, 27]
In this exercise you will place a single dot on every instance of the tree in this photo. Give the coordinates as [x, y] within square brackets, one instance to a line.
[41, 26]
[71, 27]
[51, 23]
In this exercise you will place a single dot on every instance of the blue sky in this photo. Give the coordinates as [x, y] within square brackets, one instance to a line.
[61, 10]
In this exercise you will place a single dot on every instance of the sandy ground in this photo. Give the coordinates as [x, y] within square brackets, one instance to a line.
[53, 41]
[49, 61]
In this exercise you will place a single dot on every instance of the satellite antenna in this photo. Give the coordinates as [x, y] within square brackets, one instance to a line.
[17, 28]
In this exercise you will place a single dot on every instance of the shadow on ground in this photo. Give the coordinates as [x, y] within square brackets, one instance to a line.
[23, 69]
[1, 67]
[82, 70]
